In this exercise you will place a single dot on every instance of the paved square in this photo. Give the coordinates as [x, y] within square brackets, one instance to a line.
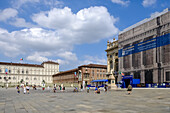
[38, 101]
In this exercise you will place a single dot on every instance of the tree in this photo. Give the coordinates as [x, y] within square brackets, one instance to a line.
[43, 81]
[21, 80]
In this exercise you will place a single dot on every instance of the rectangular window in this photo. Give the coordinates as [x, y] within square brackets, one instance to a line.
[167, 76]
[109, 81]
[9, 71]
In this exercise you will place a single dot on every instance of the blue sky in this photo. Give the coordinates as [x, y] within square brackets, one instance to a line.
[71, 32]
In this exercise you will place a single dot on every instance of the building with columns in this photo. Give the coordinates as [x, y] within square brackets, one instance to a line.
[112, 62]
[31, 74]
[144, 50]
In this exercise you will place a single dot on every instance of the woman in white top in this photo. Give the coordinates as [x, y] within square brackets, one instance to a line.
[24, 89]
[27, 87]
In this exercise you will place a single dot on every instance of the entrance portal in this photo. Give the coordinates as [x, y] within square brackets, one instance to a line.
[127, 82]
[148, 76]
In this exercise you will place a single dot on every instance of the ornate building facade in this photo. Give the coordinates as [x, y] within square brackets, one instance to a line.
[144, 49]
[31, 74]
[112, 63]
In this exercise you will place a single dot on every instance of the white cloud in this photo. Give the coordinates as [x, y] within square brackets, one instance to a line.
[7, 14]
[20, 22]
[18, 3]
[53, 3]
[66, 29]
[37, 58]
[94, 60]
[88, 25]
[147, 3]
[121, 2]
[62, 62]
[68, 56]
[155, 14]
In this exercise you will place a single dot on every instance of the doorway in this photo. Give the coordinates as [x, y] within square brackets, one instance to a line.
[126, 82]
[149, 76]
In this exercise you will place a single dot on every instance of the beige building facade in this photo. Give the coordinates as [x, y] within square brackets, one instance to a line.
[112, 62]
[30, 74]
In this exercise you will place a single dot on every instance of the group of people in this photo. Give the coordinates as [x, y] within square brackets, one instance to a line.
[97, 89]
[25, 89]
[60, 87]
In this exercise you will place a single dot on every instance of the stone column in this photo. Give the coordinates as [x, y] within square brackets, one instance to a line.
[131, 67]
[162, 75]
[155, 76]
[142, 76]
[155, 59]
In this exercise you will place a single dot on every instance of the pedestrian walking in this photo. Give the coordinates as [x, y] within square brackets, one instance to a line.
[24, 89]
[88, 89]
[105, 88]
[18, 90]
[63, 88]
[60, 87]
[98, 90]
[27, 88]
[54, 89]
[81, 87]
[129, 89]
[48, 88]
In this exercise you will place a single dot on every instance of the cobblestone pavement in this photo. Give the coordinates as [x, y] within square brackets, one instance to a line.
[115, 101]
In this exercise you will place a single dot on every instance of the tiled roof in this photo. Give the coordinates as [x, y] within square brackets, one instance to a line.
[20, 64]
[50, 62]
[64, 72]
[94, 66]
